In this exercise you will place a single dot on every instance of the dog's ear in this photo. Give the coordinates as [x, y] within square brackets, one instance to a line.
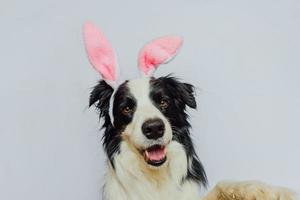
[184, 93]
[187, 93]
[101, 96]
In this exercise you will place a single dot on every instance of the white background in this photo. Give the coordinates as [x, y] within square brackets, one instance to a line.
[243, 56]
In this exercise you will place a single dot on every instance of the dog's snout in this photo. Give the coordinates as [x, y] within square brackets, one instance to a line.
[153, 128]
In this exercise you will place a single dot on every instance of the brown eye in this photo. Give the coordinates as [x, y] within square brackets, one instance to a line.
[163, 104]
[126, 110]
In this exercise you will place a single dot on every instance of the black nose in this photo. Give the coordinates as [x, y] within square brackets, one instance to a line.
[153, 128]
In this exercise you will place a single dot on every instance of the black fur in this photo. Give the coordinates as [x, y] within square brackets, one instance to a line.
[177, 94]
[123, 98]
[101, 95]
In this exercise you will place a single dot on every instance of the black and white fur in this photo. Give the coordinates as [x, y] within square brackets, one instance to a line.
[129, 176]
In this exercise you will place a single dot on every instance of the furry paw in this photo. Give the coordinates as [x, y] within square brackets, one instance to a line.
[249, 190]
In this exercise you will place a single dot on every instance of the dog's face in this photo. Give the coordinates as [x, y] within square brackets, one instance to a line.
[148, 113]
[139, 116]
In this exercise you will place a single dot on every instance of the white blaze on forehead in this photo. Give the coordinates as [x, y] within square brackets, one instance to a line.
[140, 89]
[145, 109]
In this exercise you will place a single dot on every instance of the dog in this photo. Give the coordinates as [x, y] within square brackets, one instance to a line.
[151, 155]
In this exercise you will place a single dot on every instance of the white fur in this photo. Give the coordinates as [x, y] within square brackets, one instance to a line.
[132, 178]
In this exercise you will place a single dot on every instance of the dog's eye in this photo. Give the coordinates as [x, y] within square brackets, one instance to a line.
[163, 103]
[126, 110]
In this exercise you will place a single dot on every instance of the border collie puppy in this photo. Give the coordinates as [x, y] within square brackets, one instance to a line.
[146, 130]
[151, 155]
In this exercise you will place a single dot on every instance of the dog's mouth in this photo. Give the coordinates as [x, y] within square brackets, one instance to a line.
[155, 155]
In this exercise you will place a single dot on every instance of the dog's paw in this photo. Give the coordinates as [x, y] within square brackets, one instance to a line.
[249, 190]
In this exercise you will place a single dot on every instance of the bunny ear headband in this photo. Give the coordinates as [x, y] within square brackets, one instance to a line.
[103, 58]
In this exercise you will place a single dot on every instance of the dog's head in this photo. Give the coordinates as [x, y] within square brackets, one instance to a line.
[146, 113]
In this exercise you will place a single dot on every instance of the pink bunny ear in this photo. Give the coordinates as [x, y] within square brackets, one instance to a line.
[100, 53]
[158, 51]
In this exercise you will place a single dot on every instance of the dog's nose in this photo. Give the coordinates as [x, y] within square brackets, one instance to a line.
[153, 128]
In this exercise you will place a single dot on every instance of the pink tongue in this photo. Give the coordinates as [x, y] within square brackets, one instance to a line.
[156, 154]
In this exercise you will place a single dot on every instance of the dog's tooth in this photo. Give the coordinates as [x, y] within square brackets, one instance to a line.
[147, 154]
